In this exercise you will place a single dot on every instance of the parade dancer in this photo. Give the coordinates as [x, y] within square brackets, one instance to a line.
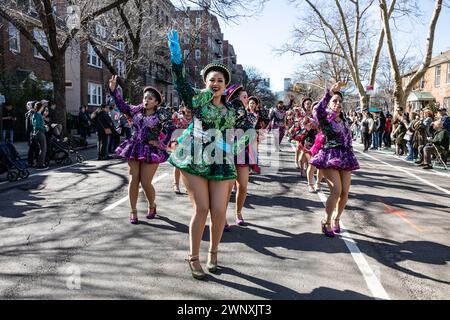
[208, 182]
[181, 120]
[238, 97]
[254, 104]
[336, 158]
[147, 147]
[306, 117]
[277, 118]
[306, 141]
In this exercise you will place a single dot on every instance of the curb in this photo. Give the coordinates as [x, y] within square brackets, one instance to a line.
[90, 146]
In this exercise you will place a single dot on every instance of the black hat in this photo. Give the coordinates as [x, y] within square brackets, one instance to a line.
[216, 67]
[339, 94]
[304, 100]
[232, 91]
[256, 99]
[153, 90]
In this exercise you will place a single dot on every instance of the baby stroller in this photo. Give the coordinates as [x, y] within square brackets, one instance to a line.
[61, 150]
[11, 162]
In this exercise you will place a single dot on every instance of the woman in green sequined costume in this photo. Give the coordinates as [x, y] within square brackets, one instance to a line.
[208, 178]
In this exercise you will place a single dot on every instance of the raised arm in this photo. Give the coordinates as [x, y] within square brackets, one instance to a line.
[121, 104]
[183, 88]
[320, 111]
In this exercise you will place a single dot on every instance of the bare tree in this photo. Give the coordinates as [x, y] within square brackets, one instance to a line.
[341, 33]
[401, 92]
[385, 80]
[143, 31]
[255, 85]
[58, 35]
[228, 10]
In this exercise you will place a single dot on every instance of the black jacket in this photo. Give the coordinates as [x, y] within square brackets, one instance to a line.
[103, 121]
[84, 120]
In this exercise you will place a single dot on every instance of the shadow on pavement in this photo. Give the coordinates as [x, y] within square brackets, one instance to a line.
[269, 290]
[417, 251]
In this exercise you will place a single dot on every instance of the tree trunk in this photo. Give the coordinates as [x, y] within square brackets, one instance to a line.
[59, 90]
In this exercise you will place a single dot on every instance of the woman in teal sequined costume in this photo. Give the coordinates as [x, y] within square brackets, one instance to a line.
[206, 165]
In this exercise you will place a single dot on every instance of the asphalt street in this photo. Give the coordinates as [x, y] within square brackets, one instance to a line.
[64, 234]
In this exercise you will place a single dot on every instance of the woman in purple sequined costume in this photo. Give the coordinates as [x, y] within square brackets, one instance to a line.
[147, 147]
[336, 158]
[238, 97]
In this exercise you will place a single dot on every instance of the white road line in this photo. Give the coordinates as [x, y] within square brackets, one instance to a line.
[125, 199]
[407, 172]
[373, 283]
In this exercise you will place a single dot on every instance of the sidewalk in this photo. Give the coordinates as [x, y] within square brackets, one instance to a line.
[22, 147]
[390, 152]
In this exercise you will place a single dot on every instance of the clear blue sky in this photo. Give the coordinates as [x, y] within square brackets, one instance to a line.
[255, 38]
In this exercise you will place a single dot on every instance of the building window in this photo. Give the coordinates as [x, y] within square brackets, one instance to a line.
[198, 22]
[119, 45]
[120, 68]
[186, 23]
[93, 59]
[447, 102]
[198, 54]
[186, 39]
[448, 73]
[32, 7]
[95, 96]
[422, 83]
[14, 38]
[100, 30]
[186, 54]
[41, 38]
[437, 76]
[110, 57]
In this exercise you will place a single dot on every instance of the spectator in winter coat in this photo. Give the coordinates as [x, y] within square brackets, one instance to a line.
[84, 123]
[39, 132]
[8, 119]
[104, 126]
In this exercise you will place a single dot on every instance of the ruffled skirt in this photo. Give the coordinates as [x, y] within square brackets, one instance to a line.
[143, 152]
[184, 158]
[339, 158]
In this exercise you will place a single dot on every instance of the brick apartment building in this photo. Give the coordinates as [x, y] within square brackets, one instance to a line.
[435, 85]
[87, 77]
[202, 42]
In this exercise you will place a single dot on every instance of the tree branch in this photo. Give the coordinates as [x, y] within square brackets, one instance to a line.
[429, 48]
[24, 31]
[89, 18]
[347, 35]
